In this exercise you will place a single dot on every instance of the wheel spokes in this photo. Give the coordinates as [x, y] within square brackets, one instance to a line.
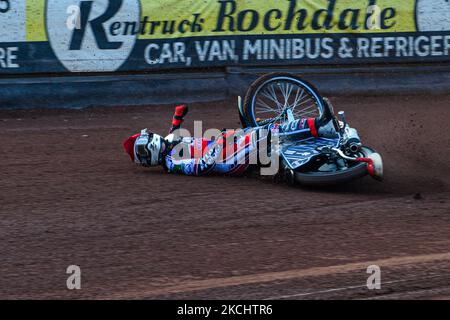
[278, 96]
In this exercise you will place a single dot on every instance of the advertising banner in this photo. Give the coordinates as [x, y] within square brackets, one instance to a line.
[53, 36]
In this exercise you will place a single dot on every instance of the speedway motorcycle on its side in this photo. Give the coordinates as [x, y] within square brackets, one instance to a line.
[281, 98]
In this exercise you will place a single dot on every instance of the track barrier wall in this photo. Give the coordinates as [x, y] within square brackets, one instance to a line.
[44, 44]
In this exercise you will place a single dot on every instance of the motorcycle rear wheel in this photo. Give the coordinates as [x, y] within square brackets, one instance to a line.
[320, 179]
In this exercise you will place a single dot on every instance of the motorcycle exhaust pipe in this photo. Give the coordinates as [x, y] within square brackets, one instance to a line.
[352, 141]
[354, 146]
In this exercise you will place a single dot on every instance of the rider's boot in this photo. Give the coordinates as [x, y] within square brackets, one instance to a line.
[326, 125]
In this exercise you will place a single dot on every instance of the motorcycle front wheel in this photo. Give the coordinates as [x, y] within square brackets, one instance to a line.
[270, 97]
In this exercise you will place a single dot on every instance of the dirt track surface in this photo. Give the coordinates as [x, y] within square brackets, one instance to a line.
[70, 196]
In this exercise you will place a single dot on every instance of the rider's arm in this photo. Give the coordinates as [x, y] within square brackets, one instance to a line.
[178, 118]
[192, 165]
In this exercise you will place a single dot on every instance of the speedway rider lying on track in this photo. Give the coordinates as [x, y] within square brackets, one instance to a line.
[205, 157]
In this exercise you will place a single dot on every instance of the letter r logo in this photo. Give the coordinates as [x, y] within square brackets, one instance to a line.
[97, 25]
[83, 39]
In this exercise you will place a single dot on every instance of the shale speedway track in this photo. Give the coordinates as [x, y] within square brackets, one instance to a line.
[70, 196]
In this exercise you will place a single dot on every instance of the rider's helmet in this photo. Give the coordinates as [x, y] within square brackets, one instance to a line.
[146, 148]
